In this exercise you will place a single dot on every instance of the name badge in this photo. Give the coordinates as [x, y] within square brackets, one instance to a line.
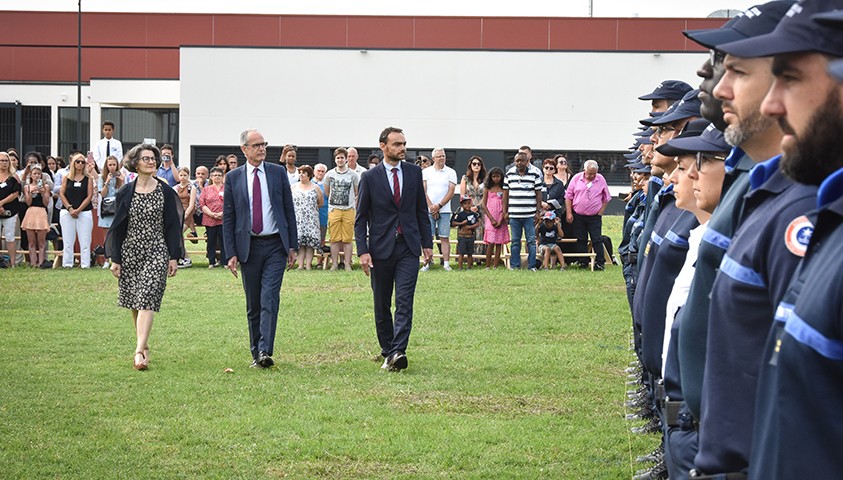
[220, 194]
[3, 185]
[77, 184]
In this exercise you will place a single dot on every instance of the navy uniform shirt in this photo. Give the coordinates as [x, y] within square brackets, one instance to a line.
[753, 276]
[667, 263]
[798, 431]
[651, 214]
[667, 214]
[718, 235]
[628, 221]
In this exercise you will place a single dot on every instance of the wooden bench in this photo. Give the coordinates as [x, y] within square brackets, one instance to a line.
[590, 254]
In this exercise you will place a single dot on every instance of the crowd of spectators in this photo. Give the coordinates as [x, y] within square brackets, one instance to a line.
[79, 197]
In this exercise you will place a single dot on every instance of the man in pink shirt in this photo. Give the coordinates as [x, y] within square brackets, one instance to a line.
[585, 200]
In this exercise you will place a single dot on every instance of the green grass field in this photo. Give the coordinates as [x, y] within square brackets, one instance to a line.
[512, 375]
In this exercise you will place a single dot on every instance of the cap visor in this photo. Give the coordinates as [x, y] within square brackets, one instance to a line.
[764, 46]
[711, 38]
[679, 146]
[829, 19]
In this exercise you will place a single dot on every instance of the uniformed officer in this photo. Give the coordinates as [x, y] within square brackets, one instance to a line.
[795, 433]
[718, 235]
[681, 435]
[753, 274]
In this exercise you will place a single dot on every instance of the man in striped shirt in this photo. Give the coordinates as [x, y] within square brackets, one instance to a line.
[585, 200]
[522, 198]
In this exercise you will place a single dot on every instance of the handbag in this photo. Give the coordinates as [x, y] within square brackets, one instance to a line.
[108, 206]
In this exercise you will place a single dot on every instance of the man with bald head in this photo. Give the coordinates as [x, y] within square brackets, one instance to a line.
[585, 200]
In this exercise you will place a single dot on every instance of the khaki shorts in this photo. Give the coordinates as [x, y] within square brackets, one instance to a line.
[341, 225]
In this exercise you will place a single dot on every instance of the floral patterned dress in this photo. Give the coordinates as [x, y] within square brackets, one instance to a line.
[143, 274]
[307, 216]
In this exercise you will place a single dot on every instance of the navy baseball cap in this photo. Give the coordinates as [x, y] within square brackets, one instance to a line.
[643, 169]
[797, 32]
[641, 133]
[834, 20]
[755, 21]
[669, 90]
[688, 107]
[647, 122]
[631, 156]
[700, 136]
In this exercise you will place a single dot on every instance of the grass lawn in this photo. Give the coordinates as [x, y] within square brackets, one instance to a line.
[512, 375]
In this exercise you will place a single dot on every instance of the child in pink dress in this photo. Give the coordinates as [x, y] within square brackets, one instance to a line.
[496, 233]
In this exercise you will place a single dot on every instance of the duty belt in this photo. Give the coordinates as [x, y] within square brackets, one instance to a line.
[720, 476]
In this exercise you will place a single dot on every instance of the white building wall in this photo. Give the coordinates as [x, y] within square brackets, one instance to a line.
[456, 99]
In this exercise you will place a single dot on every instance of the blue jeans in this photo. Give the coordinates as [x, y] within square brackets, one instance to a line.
[515, 227]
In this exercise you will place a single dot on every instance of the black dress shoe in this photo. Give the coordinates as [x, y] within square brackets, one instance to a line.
[397, 361]
[254, 364]
[264, 360]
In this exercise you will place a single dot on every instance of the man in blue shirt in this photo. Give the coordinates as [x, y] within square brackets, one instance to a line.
[168, 170]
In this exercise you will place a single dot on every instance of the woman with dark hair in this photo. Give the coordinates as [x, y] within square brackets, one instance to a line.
[288, 161]
[144, 243]
[472, 184]
[563, 171]
[211, 203]
[222, 163]
[423, 161]
[307, 200]
[553, 190]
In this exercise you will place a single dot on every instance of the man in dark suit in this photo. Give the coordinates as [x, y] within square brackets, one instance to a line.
[391, 207]
[259, 231]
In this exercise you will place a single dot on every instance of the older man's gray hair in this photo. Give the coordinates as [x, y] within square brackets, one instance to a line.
[590, 165]
[244, 137]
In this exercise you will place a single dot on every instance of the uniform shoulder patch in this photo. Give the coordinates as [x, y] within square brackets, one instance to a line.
[798, 235]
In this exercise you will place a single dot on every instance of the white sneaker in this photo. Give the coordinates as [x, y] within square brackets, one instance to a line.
[447, 268]
[106, 265]
[426, 267]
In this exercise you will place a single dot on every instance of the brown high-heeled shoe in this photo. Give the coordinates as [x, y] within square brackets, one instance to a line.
[142, 364]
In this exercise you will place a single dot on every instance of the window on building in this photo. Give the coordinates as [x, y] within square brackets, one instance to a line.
[25, 127]
[68, 117]
[133, 125]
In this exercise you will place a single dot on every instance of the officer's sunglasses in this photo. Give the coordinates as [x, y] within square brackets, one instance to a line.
[716, 56]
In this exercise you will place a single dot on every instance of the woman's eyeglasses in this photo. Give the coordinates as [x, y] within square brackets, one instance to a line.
[475, 164]
[708, 157]
[78, 161]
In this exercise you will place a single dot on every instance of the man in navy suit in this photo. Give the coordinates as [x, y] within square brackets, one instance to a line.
[391, 230]
[259, 231]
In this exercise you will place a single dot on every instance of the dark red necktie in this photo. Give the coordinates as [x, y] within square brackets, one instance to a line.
[257, 206]
[396, 187]
[396, 191]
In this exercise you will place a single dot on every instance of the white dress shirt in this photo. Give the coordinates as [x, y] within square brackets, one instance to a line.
[269, 226]
[114, 148]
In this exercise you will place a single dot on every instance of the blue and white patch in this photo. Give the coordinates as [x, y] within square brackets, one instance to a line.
[798, 235]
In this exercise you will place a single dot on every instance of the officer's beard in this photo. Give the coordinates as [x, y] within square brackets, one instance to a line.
[753, 124]
[819, 153]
